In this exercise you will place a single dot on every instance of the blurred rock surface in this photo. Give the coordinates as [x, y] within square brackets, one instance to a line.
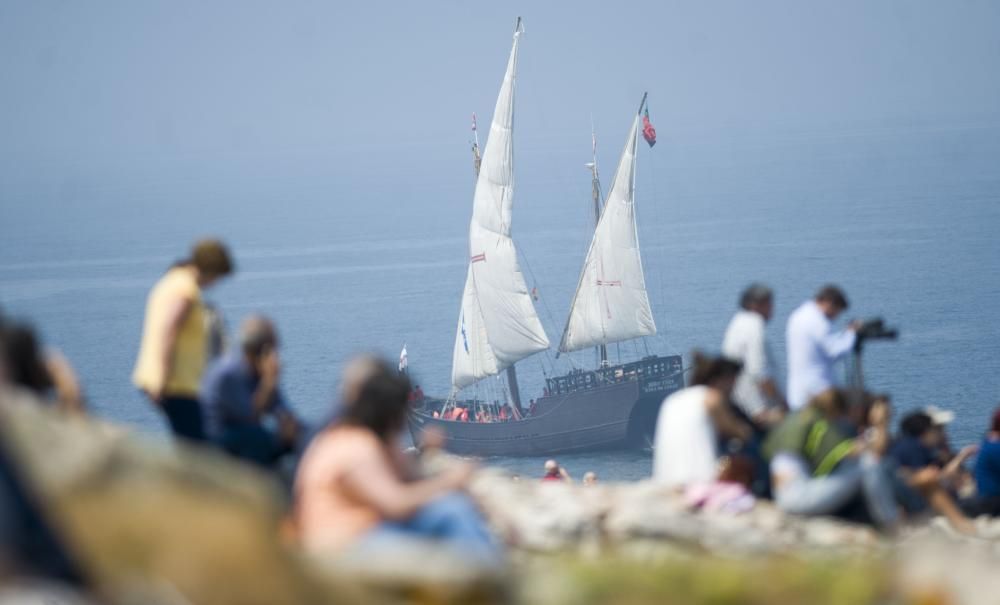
[153, 522]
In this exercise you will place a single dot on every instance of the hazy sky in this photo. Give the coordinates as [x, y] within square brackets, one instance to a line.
[110, 87]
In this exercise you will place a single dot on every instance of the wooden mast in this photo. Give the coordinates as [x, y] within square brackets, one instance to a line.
[515, 392]
[595, 194]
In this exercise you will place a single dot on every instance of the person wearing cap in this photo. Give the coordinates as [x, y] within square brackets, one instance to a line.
[756, 394]
[923, 479]
[814, 346]
[174, 346]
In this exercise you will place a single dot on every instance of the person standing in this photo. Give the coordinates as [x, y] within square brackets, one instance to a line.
[174, 347]
[756, 394]
[813, 345]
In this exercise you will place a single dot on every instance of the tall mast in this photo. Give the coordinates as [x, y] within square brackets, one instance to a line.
[611, 303]
[497, 323]
[477, 160]
[595, 193]
[515, 391]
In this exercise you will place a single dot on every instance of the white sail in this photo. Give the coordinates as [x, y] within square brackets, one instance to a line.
[498, 324]
[611, 303]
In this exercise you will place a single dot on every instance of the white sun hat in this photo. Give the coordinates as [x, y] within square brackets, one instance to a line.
[938, 415]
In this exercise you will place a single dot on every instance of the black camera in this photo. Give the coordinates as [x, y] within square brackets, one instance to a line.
[875, 329]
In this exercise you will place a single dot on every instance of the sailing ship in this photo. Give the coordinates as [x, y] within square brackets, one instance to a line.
[611, 406]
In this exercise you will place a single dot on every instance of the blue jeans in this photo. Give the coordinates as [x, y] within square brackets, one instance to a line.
[253, 443]
[868, 477]
[451, 520]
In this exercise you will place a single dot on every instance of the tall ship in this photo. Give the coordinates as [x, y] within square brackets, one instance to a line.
[610, 406]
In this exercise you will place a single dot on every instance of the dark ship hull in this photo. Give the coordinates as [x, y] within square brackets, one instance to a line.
[608, 408]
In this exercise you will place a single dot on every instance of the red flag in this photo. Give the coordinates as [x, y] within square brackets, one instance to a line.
[648, 132]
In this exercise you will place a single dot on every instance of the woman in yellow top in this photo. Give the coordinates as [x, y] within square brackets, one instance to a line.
[174, 346]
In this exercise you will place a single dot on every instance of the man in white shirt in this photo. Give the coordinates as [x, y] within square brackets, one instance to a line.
[756, 392]
[813, 346]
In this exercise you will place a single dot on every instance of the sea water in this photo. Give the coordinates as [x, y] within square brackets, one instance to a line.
[349, 256]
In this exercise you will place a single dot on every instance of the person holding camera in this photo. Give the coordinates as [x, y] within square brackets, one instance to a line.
[814, 346]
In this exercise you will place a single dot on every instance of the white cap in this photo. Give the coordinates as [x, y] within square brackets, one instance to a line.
[939, 416]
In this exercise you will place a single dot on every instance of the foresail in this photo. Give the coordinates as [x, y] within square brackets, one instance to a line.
[496, 295]
[473, 358]
[611, 303]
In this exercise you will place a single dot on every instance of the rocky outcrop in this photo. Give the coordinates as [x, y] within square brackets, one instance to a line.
[543, 517]
[551, 517]
[548, 517]
[150, 522]
[156, 523]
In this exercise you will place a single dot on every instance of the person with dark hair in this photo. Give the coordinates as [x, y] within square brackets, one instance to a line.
[756, 394]
[355, 493]
[242, 396]
[922, 479]
[987, 471]
[819, 467]
[174, 348]
[46, 373]
[691, 420]
[813, 346]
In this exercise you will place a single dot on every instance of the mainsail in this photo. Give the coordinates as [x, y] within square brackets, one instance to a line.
[498, 324]
[611, 303]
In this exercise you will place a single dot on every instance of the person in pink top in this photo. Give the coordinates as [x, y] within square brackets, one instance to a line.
[355, 491]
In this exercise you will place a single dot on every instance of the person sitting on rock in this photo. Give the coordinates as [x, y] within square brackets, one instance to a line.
[242, 397]
[46, 373]
[690, 421]
[356, 494]
[987, 471]
[819, 467]
[923, 480]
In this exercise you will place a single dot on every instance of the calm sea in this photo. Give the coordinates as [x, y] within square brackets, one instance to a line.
[364, 253]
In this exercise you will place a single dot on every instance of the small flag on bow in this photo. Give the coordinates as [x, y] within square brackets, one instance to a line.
[648, 132]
